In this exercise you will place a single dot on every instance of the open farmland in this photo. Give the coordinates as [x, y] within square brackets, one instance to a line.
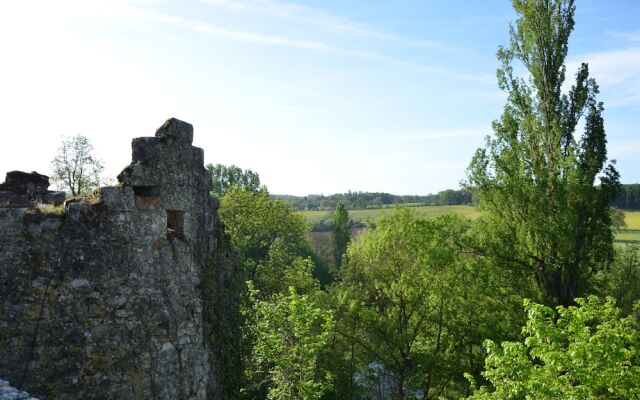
[370, 215]
[631, 234]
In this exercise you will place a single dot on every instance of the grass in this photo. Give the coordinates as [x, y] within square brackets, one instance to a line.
[632, 218]
[50, 209]
[628, 236]
[370, 215]
[631, 234]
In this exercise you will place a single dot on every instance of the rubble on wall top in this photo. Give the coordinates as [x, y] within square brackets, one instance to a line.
[23, 189]
[175, 129]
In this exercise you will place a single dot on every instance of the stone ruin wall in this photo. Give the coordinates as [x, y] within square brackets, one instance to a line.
[105, 300]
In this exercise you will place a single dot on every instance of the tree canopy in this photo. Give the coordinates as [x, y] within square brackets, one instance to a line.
[341, 232]
[545, 193]
[75, 168]
[584, 352]
[355, 200]
[225, 177]
[412, 306]
[290, 332]
[269, 238]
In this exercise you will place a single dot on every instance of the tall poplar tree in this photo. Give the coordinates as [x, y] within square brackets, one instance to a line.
[341, 233]
[545, 190]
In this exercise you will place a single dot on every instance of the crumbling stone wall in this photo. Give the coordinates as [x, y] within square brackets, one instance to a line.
[21, 189]
[105, 300]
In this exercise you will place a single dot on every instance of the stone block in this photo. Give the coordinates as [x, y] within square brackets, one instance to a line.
[177, 130]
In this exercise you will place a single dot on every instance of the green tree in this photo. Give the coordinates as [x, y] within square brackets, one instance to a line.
[267, 243]
[75, 168]
[413, 304]
[622, 281]
[377, 202]
[629, 198]
[341, 233]
[269, 239]
[290, 331]
[585, 352]
[225, 177]
[543, 210]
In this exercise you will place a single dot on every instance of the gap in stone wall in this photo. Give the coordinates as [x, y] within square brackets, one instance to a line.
[175, 224]
[147, 197]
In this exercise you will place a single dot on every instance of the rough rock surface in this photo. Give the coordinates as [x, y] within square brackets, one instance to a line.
[22, 189]
[105, 301]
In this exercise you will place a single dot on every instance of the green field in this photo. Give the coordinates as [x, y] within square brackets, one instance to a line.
[631, 234]
[632, 218]
[370, 215]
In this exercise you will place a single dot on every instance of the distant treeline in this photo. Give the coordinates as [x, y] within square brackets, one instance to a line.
[629, 198]
[363, 200]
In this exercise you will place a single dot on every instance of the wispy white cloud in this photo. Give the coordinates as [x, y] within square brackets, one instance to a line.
[421, 68]
[329, 22]
[624, 148]
[394, 157]
[448, 166]
[482, 97]
[616, 71]
[629, 36]
[300, 13]
[194, 25]
[198, 26]
[460, 133]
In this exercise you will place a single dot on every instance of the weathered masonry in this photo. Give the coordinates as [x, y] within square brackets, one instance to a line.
[105, 300]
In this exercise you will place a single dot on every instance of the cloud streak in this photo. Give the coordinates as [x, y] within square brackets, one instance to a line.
[328, 22]
[217, 31]
[629, 36]
[616, 71]
[437, 135]
[213, 30]
[624, 148]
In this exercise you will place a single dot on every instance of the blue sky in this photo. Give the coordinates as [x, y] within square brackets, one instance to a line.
[317, 97]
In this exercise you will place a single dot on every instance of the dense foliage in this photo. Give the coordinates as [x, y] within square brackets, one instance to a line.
[269, 238]
[629, 198]
[75, 167]
[413, 308]
[543, 212]
[622, 280]
[290, 331]
[227, 177]
[584, 352]
[341, 229]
